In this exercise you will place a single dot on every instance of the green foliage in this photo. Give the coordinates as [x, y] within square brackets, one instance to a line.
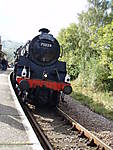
[88, 52]
[69, 41]
[93, 75]
[100, 103]
[88, 46]
[69, 38]
[72, 64]
[104, 44]
[96, 14]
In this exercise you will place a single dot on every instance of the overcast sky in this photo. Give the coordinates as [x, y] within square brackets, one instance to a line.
[20, 20]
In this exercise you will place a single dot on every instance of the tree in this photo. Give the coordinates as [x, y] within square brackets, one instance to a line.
[69, 41]
[95, 15]
[88, 45]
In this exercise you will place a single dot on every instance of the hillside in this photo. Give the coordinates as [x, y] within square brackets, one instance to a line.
[9, 47]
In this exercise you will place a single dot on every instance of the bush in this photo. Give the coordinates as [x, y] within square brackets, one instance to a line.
[94, 75]
[72, 64]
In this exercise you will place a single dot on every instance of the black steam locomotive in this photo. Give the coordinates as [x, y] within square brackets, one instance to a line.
[38, 74]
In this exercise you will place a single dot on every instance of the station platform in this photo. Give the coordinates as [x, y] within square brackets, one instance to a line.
[16, 132]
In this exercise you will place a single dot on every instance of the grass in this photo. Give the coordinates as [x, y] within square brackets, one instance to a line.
[99, 102]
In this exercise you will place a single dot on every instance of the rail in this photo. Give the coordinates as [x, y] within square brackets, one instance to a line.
[42, 138]
[92, 138]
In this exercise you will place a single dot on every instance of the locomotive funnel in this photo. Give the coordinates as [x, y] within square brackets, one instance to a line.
[44, 30]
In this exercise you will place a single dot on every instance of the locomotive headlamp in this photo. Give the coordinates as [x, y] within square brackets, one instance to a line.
[45, 75]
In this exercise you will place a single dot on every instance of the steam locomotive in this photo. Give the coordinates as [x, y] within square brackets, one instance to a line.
[38, 74]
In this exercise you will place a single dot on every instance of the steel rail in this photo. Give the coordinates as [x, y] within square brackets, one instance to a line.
[89, 135]
[40, 134]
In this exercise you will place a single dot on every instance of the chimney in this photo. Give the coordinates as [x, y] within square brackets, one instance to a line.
[0, 44]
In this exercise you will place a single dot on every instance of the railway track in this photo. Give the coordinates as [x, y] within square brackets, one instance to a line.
[58, 131]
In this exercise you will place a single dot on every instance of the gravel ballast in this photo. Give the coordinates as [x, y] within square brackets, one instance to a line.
[97, 124]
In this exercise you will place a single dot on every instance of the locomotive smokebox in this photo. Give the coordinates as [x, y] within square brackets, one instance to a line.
[44, 49]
